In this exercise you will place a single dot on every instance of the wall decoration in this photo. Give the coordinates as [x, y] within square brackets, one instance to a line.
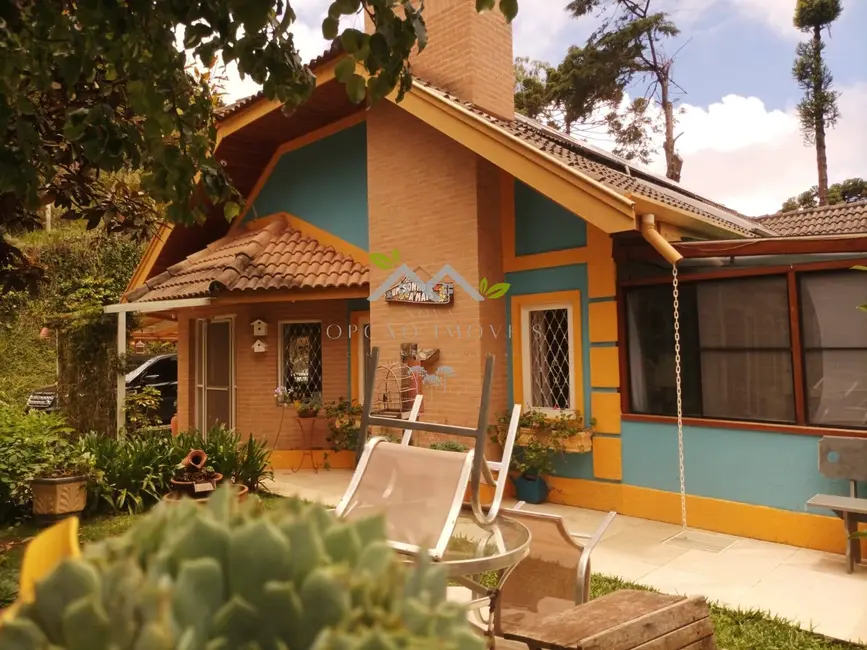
[410, 291]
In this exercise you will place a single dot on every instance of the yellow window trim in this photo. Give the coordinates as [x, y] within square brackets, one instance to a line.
[518, 304]
[355, 320]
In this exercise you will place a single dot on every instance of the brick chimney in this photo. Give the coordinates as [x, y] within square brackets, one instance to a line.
[469, 54]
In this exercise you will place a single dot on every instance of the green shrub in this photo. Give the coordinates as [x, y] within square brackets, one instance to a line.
[142, 409]
[32, 444]
[130, 473]
[246, 463]
[450, 445]
[226, 576]
[134, 472]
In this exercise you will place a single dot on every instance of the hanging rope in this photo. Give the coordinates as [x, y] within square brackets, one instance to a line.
[677, 379]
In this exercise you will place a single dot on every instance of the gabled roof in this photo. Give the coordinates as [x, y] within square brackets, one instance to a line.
[837, 219]
[269, 254]
[610, 170]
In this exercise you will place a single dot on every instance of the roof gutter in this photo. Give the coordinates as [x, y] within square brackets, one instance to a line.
[648, 230]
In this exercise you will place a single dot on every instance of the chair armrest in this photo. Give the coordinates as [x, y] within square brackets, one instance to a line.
[583, 592]
[519, 505]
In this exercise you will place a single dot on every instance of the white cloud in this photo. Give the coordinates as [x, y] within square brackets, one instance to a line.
[751, 159]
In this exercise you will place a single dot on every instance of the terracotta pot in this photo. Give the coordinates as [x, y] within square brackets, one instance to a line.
[58, 498]
[307, 413]
[176, 495]
[189, 488]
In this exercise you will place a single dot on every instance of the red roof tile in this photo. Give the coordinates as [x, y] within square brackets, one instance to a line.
[838, 219]
[271, 256]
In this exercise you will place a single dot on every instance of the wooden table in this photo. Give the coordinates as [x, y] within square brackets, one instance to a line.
[624, 620]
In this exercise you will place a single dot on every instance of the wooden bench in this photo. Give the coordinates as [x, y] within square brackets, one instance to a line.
[844, 459]
[623, 620]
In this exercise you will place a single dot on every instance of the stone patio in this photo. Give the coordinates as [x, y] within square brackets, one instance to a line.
[808, 587]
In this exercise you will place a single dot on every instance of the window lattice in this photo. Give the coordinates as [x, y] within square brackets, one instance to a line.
[550, 374]
[302, 360]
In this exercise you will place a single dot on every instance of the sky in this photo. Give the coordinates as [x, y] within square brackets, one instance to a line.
[741, 140]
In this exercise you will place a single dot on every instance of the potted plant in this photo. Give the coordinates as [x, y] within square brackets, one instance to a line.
[345, 425]
[283, 396]
[193, 477]
[540, 437]
[233, 577]
[308, 408]
[59, 485]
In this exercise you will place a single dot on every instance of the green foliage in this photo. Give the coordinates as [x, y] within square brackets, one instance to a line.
[243, 462]
[91, 92]
[131, 473]
[82, 271]
[226, 576]
[450, 445]
[532, 94]
[851, 190]
[626, 49]
[816, 13]
[541, 438]
[343, 423]
[141, 409]
[818, 109]
[33, 445]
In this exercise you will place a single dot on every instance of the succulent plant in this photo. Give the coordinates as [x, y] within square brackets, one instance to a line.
[228, 576]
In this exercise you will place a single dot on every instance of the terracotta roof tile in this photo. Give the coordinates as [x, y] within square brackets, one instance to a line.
[610, 170]
[335, 50]
[274, 256]
[838, 219]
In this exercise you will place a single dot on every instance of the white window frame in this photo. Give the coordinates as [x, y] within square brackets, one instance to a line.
[526, 343]
[200, 400]
[363, 321]
[281, 345]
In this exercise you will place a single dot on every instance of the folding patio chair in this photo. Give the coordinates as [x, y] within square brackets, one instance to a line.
[420, 490]
[554, 577]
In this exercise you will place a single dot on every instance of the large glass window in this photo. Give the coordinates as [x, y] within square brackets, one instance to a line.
[736, 357]
[834, 338]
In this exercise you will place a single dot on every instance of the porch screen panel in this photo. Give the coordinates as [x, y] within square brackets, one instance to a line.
[302, 360]
[218, 373]
[745, 343]
[835, 347]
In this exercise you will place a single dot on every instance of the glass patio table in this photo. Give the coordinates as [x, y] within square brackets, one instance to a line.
[481, 558]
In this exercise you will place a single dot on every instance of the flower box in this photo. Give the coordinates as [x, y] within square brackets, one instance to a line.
[580, 443]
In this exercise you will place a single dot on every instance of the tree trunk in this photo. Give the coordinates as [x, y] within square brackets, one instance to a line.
[821, 151]
[673, 162]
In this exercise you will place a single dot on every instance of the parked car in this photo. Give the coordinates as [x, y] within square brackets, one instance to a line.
[160, 372]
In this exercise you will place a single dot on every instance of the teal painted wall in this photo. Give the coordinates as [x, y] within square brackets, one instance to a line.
[542, 226]
[560, 278]
[325, 184]
[764, 468]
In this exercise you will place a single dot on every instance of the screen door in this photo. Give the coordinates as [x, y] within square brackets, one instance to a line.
[215, 374]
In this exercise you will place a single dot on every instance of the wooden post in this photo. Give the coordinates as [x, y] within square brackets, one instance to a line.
[121, 375]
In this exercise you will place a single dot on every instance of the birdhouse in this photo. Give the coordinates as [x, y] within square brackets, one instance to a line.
[260, 328]
[260, 346]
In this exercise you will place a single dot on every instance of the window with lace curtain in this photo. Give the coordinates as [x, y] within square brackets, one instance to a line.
[736, 350]
[301, 360]
[548, 348]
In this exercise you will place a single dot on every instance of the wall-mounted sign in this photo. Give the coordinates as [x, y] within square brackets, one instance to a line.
[416, 292]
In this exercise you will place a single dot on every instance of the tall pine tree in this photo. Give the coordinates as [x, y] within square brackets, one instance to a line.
[818, 109]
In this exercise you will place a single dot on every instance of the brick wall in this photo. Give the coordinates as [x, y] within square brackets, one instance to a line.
[437, 203]
[256, 374]
[469, 54]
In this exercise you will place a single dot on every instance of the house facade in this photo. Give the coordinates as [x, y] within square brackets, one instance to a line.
[340, 197]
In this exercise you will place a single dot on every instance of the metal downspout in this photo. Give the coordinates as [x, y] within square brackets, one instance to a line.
[659, 243]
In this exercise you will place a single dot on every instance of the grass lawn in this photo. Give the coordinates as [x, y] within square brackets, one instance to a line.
[735, 630]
